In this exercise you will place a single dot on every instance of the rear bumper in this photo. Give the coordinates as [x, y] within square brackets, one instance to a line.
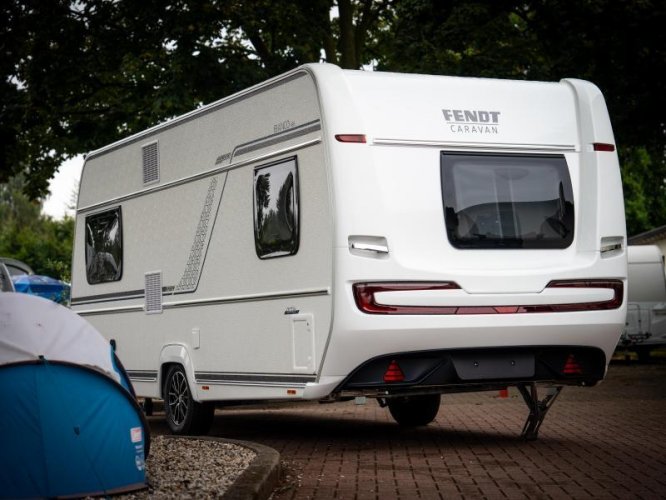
[456, 370]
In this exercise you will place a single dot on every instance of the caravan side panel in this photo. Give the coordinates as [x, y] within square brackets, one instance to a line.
[193, 289]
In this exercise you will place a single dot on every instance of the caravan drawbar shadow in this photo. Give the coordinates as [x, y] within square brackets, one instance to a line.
[332, 234]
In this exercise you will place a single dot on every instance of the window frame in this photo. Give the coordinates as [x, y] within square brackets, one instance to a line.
[90, 218]
[515, 243]
[296, 232]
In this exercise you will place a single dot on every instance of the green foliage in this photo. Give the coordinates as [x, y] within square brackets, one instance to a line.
[39, 241]
[80, 74]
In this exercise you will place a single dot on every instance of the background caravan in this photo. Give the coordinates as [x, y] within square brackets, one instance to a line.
[645, 328]
[330, 234]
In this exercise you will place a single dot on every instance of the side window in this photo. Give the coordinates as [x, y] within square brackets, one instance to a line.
[104, 246]
[276, 221]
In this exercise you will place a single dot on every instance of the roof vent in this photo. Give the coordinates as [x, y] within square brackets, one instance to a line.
[153, 283]
[151, 163]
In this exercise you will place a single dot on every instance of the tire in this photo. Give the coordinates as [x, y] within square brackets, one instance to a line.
[413, 411]
[184, 415]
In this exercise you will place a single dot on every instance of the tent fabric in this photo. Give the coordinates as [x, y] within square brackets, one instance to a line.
[71, 426]
[31, 327]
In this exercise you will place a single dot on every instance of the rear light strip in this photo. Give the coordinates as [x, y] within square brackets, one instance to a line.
[364, 294]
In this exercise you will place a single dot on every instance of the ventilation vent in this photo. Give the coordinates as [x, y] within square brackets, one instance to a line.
[153, 292]
[151, 163]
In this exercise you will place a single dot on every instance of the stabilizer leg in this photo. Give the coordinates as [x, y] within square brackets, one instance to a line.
[538, 408]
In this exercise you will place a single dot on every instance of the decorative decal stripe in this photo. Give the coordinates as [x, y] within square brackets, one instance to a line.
[273, 139]
[203, 302]
[190, 279]
[201, 175]
[143, 375]
[253, 378]
[110, 297]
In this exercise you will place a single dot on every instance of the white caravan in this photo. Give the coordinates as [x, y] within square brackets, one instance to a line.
[334, 234]
[646, 301]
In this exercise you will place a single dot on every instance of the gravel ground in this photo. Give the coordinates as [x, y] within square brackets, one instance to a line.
[192, 468]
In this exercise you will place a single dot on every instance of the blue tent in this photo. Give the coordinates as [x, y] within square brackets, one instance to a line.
[71, 425]
[43, 286]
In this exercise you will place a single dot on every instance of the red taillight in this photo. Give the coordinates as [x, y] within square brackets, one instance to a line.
[364, 294]
[602, 146]
[358, 138]
[394, 373]
[571, 367]
[616, 285]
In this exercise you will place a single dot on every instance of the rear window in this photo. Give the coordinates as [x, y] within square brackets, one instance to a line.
[507, 201]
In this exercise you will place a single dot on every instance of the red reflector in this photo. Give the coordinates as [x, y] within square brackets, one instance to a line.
[602, 146]
[571, 367]
[394, 373]
[358, 138]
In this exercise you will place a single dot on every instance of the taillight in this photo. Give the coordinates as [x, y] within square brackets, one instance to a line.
[571, 366]
[602, 146]
[366, 300]
[358, 138]
[616, 285]
[364, 294]
[394, 373]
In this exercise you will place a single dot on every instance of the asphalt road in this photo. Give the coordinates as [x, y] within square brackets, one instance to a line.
[602, 442]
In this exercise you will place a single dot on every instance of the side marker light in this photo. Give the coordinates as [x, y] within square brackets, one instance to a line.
[357, 138]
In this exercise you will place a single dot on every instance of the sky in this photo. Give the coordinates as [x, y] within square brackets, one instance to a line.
[62, 187]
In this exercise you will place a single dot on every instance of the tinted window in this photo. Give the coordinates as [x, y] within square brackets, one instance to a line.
[276, 209]
[104, 247]
[507, 201]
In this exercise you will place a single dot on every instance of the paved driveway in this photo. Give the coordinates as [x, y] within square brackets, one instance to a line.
[602, 442]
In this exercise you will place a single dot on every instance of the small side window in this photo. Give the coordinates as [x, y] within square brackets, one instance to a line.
[276, 221]
[104, 247]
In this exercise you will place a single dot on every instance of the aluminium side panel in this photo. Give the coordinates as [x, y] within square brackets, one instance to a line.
[223, 311]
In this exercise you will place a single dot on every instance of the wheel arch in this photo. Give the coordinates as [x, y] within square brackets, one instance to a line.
[177, 354]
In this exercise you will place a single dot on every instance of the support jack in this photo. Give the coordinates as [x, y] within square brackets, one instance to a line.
[538, 408]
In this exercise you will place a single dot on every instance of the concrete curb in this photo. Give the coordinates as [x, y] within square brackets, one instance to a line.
[259, 480]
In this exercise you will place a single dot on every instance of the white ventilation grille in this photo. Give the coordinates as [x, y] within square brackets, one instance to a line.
[153, 292]
[151, 163]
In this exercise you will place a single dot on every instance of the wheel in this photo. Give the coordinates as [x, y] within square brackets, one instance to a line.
[412, 411]
[183, 414]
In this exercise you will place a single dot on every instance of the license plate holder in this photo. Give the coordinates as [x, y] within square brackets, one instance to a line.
[493, 366]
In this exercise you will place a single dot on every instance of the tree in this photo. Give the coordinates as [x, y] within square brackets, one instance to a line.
[81, 74]
[39, 241]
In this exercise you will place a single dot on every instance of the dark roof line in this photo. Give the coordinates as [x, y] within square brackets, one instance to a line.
[656, 234]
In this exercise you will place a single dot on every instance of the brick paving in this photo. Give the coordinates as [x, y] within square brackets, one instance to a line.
[602, 442]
